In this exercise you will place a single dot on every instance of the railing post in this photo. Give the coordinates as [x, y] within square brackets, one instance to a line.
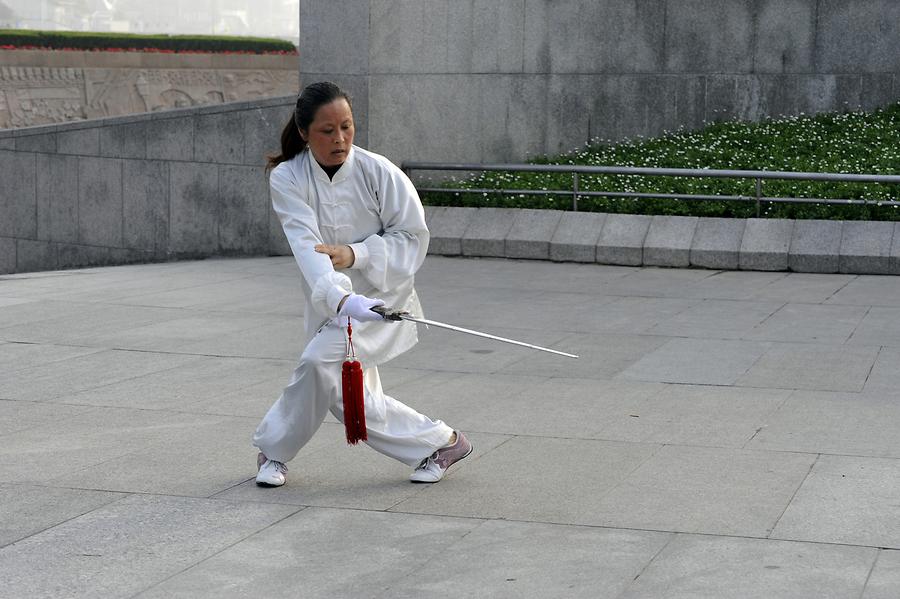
[758, 194]
[575, 192]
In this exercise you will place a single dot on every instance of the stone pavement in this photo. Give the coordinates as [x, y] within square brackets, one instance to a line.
[724, 434]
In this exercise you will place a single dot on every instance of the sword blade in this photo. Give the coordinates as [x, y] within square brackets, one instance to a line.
[451, 327]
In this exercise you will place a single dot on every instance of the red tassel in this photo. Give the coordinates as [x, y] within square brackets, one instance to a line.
[354, 406]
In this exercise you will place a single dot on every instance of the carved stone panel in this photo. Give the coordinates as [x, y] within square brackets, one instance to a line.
[40, 95]
[43, 95]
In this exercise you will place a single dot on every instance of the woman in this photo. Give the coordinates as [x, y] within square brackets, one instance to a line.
[357, 228]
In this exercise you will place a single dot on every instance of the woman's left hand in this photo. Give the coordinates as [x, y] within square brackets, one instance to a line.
[341, 255]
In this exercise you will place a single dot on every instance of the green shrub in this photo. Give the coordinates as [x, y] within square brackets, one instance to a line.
[77, 40]
[846, 142]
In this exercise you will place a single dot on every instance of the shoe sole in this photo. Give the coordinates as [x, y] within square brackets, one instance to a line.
[269, 485]
[461, 458]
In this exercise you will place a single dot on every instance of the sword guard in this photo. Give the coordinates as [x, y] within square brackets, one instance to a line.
[389, 313]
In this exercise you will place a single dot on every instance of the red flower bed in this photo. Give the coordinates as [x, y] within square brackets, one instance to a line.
[86, 41]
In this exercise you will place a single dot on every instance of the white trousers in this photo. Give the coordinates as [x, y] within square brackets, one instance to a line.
[393, 428]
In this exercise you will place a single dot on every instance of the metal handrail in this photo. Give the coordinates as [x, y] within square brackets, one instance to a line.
[576, 169]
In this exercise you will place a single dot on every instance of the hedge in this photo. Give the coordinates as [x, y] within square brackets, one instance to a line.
[834, 142]
[77, 40]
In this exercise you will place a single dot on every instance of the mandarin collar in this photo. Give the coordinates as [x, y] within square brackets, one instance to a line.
[342, 172]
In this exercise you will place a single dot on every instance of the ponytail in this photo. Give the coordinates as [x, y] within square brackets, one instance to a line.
[291, 145]
[308, 102]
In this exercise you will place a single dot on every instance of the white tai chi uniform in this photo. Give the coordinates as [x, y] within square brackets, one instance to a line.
[373, 207]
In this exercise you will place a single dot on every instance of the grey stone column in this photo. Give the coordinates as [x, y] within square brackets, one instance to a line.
[334, 46]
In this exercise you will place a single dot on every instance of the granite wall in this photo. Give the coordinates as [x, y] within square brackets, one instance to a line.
[499, 80]
[157, 186]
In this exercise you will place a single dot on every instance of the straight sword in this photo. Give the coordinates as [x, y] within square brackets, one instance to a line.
[389, 314]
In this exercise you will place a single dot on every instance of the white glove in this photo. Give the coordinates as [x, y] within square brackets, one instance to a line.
[358, 307]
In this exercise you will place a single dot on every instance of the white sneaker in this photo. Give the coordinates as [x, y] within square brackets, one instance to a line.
[432, 468]
[271, 473]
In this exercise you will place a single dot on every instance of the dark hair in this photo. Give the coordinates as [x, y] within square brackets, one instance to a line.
[308, 102]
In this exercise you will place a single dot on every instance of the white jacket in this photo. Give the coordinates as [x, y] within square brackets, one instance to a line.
[373, 207]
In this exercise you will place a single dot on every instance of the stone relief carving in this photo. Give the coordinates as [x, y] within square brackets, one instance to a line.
[42, 95]
[36, 96]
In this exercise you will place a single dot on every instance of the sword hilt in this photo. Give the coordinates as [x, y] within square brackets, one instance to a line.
[389, 313]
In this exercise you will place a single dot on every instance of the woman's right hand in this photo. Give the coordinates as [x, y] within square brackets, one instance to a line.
[359, 307]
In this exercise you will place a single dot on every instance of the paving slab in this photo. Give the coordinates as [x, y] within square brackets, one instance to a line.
[44, 325]
[198, 457]
[885, 578]
[804, 288]
[658, 282]
[810, 323]
[39, 508]
[270, 296]
[125, 547]
[202, 379]
[303, 552]
[439, 273]
[447, 226]
[186, 329]
[732, 568]
[522, 559]
[50, 381]
[765, 244]
[848, 500]
[496, 403]
[884, 379]
[20, 415]
[505, 481]
[455, 352]
[626, 315]
[209, 296]
[810, 366]
[835, 423]
[716, 319]
[697, 415]
[250, 402]
[278, 341]
[880, 326]
[866, 290]
[492, 308]
[697, 361]
[600, 356]
[395, 376]
[122, 283]
[705, 490]
[21, 356]
[89, 439]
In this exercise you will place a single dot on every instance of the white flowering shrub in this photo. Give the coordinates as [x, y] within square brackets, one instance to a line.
[847, 142]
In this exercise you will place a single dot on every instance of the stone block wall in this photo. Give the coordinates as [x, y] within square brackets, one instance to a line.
[814, 246]
[499, 80]
[177, 184]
